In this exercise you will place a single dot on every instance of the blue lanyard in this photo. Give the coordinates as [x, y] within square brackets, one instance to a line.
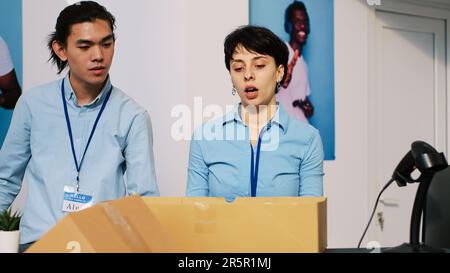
[69, 128]
[254, 166]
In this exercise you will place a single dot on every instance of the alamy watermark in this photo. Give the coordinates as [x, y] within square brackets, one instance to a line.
[213, 122]
[374, 2]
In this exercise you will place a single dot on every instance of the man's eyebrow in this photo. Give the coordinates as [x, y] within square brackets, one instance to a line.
[107, 38]
[83, 41]
[89, 42]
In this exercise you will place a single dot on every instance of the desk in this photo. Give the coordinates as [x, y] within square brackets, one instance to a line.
[350, 250]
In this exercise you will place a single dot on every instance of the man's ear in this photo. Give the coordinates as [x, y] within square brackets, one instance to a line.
[59, 50]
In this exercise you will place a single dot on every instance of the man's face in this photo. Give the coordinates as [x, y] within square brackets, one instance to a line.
[299, 31]
[89, 51]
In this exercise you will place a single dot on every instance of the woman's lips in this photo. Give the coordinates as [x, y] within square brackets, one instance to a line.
[250, 95]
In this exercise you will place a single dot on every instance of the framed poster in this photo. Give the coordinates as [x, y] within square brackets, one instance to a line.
[307, 27]
[11, 52]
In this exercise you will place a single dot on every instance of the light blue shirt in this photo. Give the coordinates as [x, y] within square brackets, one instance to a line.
[290, 163]
[38, 145]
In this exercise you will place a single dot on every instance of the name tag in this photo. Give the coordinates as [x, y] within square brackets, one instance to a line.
[76, 201]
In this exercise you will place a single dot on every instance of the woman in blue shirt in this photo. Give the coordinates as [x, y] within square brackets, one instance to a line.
[257, 149]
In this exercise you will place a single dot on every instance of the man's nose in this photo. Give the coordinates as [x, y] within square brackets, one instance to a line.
[97, 54]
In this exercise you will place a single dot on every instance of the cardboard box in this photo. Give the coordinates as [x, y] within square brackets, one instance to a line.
[188, 225]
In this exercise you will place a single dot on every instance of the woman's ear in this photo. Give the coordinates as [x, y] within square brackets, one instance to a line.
[280, 73]
[59, 50]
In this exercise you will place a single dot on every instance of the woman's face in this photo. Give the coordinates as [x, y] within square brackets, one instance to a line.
[255, 77]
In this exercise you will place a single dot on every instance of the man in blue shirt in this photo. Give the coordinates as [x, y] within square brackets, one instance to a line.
[75, 138]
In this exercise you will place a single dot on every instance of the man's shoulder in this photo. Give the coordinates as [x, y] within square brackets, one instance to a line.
[42, 90]
[126, 102]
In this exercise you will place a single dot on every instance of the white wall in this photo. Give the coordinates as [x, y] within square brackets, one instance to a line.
[167, 52]
[38, 21]
[346, 181]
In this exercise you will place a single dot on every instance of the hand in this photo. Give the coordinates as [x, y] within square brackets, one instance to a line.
[308, 108]
[305, 105]
[290, 68]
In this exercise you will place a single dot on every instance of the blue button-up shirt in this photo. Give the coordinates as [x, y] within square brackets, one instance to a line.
[38, 145]
[290, 161]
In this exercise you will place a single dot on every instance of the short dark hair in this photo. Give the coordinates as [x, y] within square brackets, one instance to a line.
[296, 5]
[259, 40]
[80, 12]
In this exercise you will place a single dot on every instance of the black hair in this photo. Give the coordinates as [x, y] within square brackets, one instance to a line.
[80, 12]
[258, 40]
[296, 5]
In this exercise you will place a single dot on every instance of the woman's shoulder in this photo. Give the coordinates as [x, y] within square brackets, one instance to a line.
[212, 128]
[302, 130]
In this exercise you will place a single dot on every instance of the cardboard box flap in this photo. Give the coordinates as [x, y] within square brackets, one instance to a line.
[125, 225]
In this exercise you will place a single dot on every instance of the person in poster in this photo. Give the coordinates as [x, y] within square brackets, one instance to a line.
[9, 85]
[296, 88]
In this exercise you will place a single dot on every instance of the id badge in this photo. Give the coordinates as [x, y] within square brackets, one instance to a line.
[76, 201]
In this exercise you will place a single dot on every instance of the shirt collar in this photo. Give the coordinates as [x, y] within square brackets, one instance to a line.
[70, 94]
[281, 117]
[233, 116]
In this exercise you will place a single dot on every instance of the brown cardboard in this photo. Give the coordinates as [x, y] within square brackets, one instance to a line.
[117, 226]
[159, 224]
